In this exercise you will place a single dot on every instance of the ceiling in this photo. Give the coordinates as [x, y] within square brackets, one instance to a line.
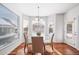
[45, 9]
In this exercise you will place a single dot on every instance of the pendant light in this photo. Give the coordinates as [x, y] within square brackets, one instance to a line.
[38, 15]
[38, 33]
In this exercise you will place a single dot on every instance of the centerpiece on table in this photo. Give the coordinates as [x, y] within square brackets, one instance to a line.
[38, 33]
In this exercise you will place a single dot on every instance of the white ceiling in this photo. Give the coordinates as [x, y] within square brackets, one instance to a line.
[31, 9]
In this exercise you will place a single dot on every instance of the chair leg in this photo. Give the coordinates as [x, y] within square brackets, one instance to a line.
[51, 46]
[44, 50]
[24, 49]
[25, 46]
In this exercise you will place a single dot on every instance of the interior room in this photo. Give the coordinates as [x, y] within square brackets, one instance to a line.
[39, 28]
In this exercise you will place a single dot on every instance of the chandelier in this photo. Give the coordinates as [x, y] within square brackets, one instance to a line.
[38, 26]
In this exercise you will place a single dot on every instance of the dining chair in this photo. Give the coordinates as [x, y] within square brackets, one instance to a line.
[38, 45]
[25, 43]
[49, 48]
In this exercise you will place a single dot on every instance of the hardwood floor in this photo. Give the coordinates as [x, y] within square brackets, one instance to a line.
[20, 50]
[59, 49]
[65, 49]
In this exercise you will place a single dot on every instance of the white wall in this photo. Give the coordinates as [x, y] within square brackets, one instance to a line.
[13, 45]
[59, 28]
[72, 15]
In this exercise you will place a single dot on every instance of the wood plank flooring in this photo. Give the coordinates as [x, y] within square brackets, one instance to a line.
[65, 49]
[59, 49]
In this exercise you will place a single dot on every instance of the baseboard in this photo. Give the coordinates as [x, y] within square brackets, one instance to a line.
[58, 42]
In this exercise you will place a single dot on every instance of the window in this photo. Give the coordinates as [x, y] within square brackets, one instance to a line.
[25, 25]
[69, 28]
[50, 28]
